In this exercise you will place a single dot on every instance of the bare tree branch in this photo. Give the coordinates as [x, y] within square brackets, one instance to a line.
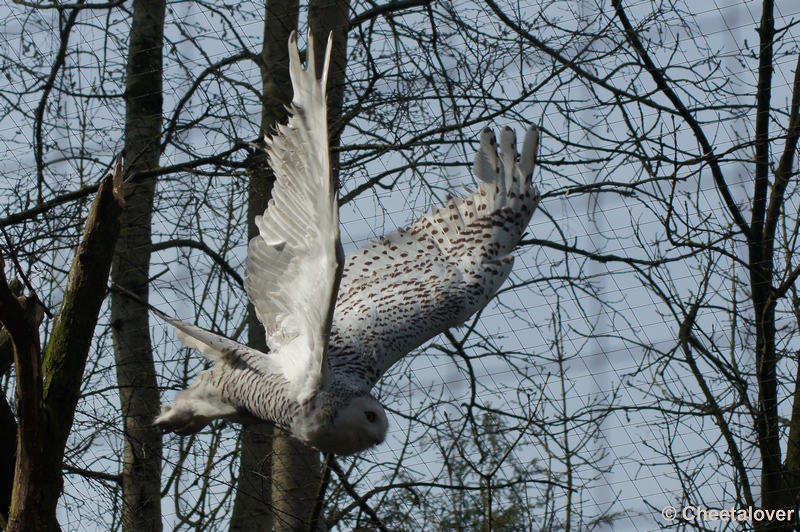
[663, 85]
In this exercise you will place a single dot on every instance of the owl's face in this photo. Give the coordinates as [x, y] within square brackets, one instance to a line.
[359, 425]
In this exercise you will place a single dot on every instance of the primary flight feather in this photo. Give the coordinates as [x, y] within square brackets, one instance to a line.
[335, 326]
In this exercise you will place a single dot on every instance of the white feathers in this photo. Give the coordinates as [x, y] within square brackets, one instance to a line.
[417, 282]
[293, 267]
[328, 351]
[486, 165]
[530, 150]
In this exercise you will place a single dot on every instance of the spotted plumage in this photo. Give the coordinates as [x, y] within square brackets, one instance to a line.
[335, 326]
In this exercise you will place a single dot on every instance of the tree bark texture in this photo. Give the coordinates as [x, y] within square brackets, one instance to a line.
[325, 16]
[252, 509]
[296, 468]
[34, 486]
[139, 397]
[778, 490]
[296, 477]
[48, 391]
[8, 423]
[8, 456]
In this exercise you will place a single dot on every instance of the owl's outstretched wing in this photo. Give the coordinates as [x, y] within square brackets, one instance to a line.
[402, 290]
[292, 277]
[295, 264]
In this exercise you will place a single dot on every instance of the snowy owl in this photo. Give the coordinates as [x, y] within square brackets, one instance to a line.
[335, 326]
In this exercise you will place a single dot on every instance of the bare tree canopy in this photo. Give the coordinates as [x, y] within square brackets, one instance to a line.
[644, 354]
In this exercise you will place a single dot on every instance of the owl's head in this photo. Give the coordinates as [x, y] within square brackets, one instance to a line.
[358, 425]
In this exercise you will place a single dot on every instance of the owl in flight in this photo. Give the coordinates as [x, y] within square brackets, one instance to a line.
[334, 326]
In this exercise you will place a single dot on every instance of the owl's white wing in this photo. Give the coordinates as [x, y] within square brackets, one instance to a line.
[292, 277]
[404, 289]
[294, 266]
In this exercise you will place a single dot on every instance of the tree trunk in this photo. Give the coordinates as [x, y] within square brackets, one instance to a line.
[48, 391]
[36, 488]
[326, 16]
[777, 488]
[8, 423]
[139, 397]
[8, 457]
[296, 468]
[296, 477]
[252, 509]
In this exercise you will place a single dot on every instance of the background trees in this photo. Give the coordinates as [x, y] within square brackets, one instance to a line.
[710, 128]
[657, 286]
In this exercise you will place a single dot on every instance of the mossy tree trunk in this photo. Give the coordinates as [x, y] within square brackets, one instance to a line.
[48, 385]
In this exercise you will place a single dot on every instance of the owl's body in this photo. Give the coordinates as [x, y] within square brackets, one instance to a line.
[335, 326]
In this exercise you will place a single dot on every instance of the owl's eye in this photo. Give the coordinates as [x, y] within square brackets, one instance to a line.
[370, 416]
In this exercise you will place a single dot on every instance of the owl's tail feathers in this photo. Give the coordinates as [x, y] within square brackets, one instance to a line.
[216, 348]
[202, 402]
